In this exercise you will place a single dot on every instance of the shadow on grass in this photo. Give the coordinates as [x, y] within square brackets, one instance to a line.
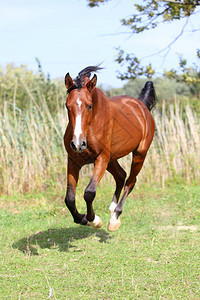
[61, 238]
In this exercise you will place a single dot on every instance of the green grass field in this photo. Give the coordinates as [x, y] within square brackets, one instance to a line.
[154, 255]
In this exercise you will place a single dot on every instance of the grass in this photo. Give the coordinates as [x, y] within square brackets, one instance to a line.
[154, 255]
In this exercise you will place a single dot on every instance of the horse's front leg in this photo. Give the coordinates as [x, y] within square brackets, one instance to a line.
[72, 179]
[100, 166]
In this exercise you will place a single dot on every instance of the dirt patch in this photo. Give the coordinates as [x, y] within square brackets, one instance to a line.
[180, 227]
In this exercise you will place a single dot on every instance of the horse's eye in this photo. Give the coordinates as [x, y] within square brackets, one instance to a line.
[90, 107]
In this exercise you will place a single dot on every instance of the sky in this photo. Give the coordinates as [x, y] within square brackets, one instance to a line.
[67, 35]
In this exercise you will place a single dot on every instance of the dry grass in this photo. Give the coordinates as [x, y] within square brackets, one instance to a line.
[31, 147]
[33, 155]
[176, 147]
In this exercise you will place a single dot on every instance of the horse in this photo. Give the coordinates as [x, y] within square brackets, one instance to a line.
[100, 131]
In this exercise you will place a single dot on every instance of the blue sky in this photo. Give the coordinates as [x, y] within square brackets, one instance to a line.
[67, 36]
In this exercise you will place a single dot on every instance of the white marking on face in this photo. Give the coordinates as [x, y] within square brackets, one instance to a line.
[78, 129]
[79, 102]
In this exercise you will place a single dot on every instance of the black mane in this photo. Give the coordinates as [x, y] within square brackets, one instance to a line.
[78, 81]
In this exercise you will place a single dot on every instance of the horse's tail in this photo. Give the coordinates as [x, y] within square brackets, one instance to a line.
[148, 95]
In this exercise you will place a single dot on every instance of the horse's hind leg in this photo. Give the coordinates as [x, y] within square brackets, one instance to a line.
[137, 162]
[119, 175]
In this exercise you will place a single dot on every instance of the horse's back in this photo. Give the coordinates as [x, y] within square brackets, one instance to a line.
[132, 123]
[131, 109]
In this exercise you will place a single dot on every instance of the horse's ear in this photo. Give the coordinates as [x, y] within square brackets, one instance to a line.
[68, 81]
[92, 83]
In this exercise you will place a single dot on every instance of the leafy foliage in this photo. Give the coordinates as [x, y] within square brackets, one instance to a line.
[148, 16]
[18, 86]
[185, 73]
[93, 3]
[134, 68]
[153, 12]
[190, 75]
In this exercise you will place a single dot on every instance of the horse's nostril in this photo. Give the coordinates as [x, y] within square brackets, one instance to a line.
[73, 145]
[83, 144]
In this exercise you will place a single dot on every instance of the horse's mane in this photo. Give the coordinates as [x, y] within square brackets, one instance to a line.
[78, 81]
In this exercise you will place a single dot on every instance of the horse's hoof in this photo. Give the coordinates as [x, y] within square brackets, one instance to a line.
[114, 225]
[84, 221]
[96, 223]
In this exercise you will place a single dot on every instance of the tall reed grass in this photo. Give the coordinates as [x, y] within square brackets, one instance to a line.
[32, 153]
[31, 147]
[174, 155]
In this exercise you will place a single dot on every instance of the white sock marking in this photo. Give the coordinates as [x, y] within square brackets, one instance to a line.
[113, 216]
[112, 207]
[96, 221]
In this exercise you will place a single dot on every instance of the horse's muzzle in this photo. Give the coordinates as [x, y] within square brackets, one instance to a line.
[79, 148]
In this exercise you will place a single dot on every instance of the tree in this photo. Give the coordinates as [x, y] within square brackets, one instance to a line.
[148, 16]
[20, 86]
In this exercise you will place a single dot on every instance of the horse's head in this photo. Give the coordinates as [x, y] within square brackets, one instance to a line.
[79, 105]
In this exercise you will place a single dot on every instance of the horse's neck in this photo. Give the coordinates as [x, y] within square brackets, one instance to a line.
[100, 101]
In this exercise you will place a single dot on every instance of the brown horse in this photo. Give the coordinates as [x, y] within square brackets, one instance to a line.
[100, 131]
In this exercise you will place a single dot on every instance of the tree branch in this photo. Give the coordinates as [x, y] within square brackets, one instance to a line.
[168, 47]
[196, 3]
